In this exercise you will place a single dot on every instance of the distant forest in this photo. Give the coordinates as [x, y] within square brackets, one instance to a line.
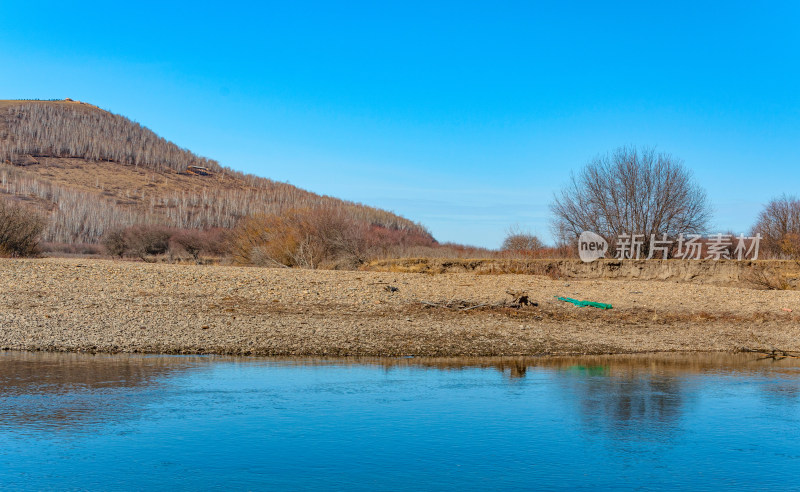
[39, 140]
[57, 131]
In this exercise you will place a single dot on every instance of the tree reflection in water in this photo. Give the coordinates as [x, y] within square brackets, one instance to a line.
[68, 391]
[615, 394]
[627, 395]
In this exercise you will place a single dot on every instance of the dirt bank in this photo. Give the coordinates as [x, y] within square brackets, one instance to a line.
[97, 305]
[723, 272]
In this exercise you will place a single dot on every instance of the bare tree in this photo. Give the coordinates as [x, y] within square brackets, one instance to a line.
[779, 226]
[631, 191]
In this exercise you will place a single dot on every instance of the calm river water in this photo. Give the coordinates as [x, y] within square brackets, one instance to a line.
[160, 422]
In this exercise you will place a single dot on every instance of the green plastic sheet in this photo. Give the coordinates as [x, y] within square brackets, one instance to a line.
[599, 305]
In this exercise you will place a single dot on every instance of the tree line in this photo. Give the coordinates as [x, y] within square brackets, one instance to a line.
[628, 191]
[55, 130]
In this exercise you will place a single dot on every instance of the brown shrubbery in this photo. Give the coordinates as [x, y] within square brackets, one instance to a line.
[316, 238]
[20, 230]
[148, 242]
[193, 242]
[70, 249]
[521, 244]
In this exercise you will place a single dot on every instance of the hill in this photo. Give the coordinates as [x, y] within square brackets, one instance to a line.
[94, 171]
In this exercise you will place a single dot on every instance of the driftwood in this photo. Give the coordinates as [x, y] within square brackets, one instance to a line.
[520, 299]
[460, 305]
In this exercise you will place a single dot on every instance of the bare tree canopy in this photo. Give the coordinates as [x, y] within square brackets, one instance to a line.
[631, 191]
[779, 225]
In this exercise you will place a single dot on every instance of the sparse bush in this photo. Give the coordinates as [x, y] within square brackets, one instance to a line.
[194, 242]
[305, 238]
[267, 240]
[20, 230]
[217, 241]
[521, 242]
[147, 241]
[382, 242]
[189, 241]
[115, 242]
[766, 277]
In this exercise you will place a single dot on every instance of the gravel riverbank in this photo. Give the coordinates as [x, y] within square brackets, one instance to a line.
[58, 304]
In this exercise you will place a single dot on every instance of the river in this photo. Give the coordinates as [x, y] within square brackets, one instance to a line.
[121, 422]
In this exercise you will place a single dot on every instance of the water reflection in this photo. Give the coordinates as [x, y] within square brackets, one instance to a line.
[82, 421]
[664, 363]
[635, 391]
[54, 391]
[642, 395]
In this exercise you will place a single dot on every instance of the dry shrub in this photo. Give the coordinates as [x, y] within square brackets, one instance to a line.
[72, 248]
[20, 230]
[194, 242]
[382, 242]
[115, 243]
[148, 242]
[323, 237]
[790, 246]
[519, 243]
[268, 240]
[305, 238]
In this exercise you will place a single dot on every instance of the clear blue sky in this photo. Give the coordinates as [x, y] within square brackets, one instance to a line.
[464, 116]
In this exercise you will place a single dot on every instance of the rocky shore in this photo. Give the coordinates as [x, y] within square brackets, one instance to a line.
[86, 305]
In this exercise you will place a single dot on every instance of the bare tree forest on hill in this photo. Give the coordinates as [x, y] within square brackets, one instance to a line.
[33, 135]
[58, 131]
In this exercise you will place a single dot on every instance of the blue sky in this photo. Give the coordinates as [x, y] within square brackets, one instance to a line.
[463, 116]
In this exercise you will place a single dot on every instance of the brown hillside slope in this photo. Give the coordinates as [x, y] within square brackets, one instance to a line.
[92, 171]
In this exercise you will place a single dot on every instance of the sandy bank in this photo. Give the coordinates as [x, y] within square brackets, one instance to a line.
[722, 272]
[97, 305]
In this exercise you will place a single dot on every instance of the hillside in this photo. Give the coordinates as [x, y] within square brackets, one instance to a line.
[93, 171]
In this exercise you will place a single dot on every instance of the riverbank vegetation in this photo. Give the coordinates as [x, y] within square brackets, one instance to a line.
[77, 180]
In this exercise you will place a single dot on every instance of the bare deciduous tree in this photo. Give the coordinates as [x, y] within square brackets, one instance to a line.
[779, 226]
[631, 191]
